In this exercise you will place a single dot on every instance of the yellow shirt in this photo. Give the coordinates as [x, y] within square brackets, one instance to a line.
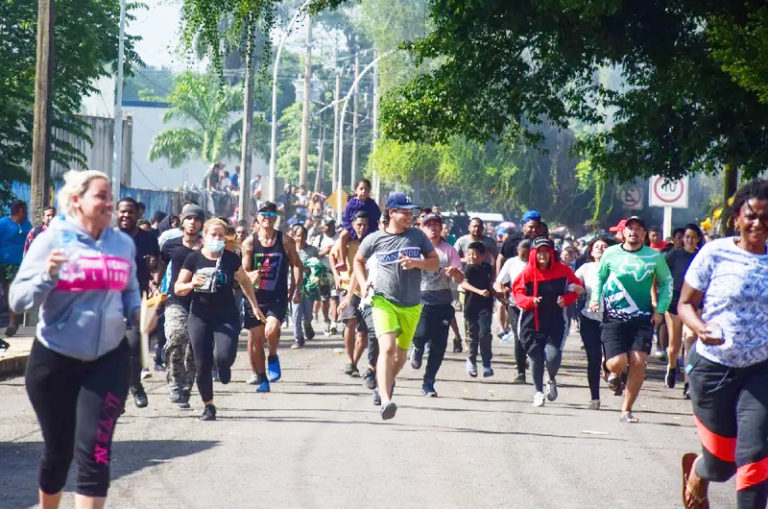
[346, 275]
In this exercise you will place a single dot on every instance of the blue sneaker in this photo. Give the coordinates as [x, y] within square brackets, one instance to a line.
[263, 387]
[273, 370]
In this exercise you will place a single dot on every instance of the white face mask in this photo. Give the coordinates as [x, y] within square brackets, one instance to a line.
[214, 246]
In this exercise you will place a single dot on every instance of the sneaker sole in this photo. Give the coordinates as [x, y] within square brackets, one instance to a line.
[388, 411]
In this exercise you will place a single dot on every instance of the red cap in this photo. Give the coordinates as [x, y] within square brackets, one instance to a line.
[619, 226]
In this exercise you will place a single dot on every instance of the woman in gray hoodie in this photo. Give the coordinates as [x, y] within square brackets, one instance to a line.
[82, 275]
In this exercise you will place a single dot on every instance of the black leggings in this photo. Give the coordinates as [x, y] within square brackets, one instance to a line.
[212, 339]
[77, 405]
[730, 407]
[593, 346]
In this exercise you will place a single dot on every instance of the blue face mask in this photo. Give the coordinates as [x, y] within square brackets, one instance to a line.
[214, 246]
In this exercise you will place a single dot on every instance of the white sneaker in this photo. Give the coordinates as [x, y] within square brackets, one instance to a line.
[594, 404]
[145, 373]
[254, 380]
[327, 329]
[538, 399]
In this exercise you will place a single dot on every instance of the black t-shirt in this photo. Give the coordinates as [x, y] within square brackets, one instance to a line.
[219, 305]
[146, 245]
[678, 261]
[481, 277]
[175, 253]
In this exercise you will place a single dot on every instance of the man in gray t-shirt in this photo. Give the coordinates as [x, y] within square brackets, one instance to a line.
[400, 253]
[476, 234]
[396, 284]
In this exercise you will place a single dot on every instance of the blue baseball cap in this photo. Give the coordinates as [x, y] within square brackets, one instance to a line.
[531, 215]
[400, 201]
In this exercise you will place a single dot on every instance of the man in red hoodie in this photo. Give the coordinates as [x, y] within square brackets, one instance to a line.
[542, 292]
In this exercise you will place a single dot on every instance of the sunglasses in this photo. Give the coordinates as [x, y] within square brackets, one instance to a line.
[270, 215]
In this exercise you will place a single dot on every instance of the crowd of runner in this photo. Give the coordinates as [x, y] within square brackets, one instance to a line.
[390, 280]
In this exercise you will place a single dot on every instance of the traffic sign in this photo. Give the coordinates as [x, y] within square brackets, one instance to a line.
[668, 193]
[631, 196]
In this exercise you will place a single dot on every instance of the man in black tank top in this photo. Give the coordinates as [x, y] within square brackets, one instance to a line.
[267, 257]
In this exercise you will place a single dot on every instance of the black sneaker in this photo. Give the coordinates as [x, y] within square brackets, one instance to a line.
[376, 398]
[670, 378]
[686, 391]
[457, 348]
[140, 397]
[209, 414]
[519, 379]
[369, 379]
[416, 356]
[355, 372]
[428, 389]
[184, 401]
[309, 332]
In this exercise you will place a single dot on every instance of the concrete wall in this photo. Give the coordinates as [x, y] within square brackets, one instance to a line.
[148, 123]
[98, 155]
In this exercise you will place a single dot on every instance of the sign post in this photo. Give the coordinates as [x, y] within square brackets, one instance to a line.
[670, 194]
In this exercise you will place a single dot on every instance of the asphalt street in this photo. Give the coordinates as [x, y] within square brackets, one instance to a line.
[317, 441]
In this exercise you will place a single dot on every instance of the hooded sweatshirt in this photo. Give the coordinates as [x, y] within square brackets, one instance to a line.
[83, 310]
[549, 284]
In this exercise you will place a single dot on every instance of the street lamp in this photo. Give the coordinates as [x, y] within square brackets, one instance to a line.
[345, 100]
[272, 194]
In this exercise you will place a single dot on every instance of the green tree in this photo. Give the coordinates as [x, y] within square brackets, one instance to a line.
[81, 56]
[677, 112]
[214, 130]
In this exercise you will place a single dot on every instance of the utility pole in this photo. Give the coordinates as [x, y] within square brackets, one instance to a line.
[244, 178]
[272, 190]
[336, 95]
[353, 168]
[40, 174]
[306, 107]
[375, 136]
[117, 160]
[320, 160]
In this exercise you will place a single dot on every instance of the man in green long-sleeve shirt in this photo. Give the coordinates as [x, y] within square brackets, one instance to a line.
[625, 278]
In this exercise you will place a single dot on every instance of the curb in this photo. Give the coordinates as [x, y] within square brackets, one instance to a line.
[13, 366]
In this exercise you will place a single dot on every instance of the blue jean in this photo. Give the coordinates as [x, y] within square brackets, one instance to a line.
[539, 354]
[302, 312]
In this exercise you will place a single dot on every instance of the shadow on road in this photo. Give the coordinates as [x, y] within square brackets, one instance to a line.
[19, 460]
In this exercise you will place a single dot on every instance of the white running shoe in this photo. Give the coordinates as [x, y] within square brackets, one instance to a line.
[538, 399]
[254, 380]
[145, 373]
[594, 404]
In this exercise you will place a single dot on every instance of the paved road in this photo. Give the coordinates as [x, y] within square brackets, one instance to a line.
[317, 441]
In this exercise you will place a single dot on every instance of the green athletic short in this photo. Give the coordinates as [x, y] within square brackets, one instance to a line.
[389, 317]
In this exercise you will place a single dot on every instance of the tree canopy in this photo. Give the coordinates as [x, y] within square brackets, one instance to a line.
[503, 64]
[81, 56]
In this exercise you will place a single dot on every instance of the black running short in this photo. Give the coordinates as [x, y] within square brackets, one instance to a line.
[635, 335]
[277, 309]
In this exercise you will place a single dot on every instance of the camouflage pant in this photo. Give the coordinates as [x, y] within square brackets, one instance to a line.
[178, 349]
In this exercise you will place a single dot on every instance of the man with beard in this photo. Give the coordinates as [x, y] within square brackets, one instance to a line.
[146, 253]
[178, 351]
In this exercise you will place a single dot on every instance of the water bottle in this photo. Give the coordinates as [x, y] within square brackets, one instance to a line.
[508, 336]
[67, 243]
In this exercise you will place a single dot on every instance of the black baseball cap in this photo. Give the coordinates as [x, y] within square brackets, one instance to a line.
[268, 206]
[636, 219]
